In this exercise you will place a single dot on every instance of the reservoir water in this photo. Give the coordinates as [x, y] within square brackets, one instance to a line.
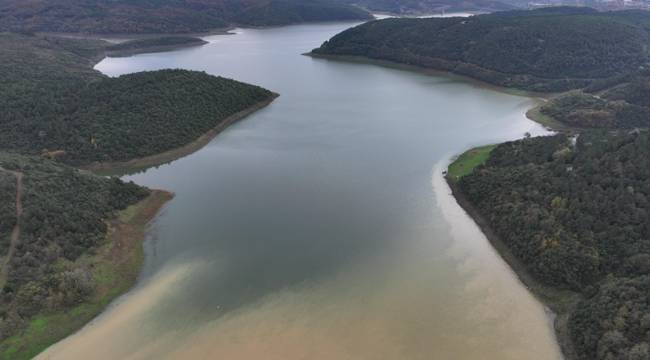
[320, 227]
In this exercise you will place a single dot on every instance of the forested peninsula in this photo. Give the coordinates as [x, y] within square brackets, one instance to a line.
[71, 241]
[546, 50]
[599, 61]
[57, 106]
[166, 16]
[571, 215]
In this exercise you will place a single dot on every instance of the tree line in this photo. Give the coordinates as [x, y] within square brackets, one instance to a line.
[64, 217]
[549, 50]
[577, 213]
[54, 103]
[166, 16]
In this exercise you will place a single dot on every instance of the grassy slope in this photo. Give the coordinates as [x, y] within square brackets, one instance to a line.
[469, 160]
[116, 266]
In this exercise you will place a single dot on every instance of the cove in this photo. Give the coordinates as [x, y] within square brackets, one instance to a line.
[321, 227]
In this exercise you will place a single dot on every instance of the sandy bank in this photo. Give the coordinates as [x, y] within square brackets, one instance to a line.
[560, 302]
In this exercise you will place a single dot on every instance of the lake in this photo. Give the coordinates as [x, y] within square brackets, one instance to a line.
[321, 227]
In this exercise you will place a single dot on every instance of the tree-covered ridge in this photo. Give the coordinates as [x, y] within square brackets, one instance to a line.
[146, 113]
[431, 6]
[64, 216]
[551, 49]
[283, 12]
[54, 103]
[38, 75]
[165, 16]
[577, 213]
[156, 44]
[618, 103]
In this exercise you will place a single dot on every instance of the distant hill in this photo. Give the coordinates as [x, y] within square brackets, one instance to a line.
[54, 103]
[149, 45]
[283, 12]
[415, 7]
[552, 49]
[165, 16]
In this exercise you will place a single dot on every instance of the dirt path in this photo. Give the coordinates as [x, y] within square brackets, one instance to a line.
[15, 233]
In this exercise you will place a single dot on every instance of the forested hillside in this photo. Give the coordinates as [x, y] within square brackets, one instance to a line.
[416, 7]
[54, 104]
[64, 217]
[165, 16]
[149, 45]
[553, 49]
[66, 248]
[619, 103]
[577, 214]
[283, 12]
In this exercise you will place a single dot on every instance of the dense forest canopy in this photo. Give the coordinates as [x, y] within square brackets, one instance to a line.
[57, 264]
[552, 49]
[621, 102]
[283, 12]
[53, 102]
[7, 208]
[577, 213]
[165, 16]
[64, 216]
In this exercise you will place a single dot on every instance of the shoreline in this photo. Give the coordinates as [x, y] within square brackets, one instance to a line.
[117, 263]
[434, 72]
[142, 163]
[427, 14]
[138, 164]
[533, 114]
[123, 37]
[153, 49]
[115, 266]
[559, 302]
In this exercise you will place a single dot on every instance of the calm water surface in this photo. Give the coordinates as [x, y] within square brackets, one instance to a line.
[321, 227]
